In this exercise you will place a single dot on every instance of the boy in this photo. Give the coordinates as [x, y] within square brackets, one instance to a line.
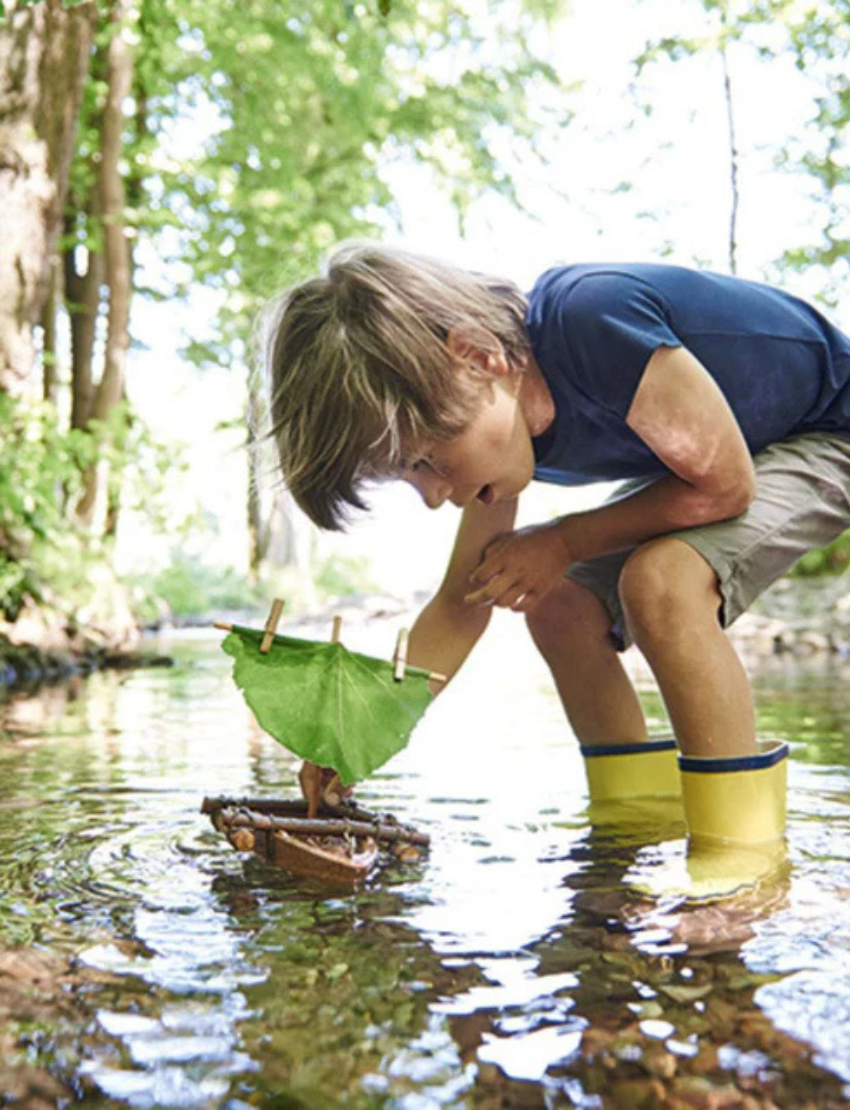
[727, 401]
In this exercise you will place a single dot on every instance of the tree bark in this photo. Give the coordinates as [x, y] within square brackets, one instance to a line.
[116, 253]
[259, 526]
[277, 533]
[116, 245]
[82, 299]
[44, 52]
[50, 346]
[734, 158]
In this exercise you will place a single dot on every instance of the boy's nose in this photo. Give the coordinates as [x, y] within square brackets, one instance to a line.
[432, 488]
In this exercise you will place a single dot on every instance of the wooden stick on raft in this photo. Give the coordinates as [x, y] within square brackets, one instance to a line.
[334, 826]
[271, 626]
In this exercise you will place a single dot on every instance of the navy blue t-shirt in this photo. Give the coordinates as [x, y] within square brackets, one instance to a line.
[783, 368]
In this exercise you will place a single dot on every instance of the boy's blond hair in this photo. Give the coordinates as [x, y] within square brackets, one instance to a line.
[360, 374]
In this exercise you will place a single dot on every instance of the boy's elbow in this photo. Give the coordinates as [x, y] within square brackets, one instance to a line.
[723, 494]
[736, 497]
[742, 497]
[746, 488]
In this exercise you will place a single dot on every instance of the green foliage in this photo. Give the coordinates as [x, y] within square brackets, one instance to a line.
[343, 576]
[44, 553]
[819, 36]
[816, 35]
[188, 587]
[266, 132]
[40, 468]
[328, 704]
[832, 559]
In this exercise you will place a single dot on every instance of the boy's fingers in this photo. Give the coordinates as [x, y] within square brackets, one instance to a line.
[310, 781]
[485, 570]
[479, 597]
[334, 792]
[496, 592]
[321, 784]
[521, 594]
[486, 594]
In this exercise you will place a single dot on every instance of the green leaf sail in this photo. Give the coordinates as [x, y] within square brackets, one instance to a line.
[333, 706]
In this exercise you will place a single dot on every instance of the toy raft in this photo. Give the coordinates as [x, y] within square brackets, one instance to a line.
[337, 709]
[343, 846]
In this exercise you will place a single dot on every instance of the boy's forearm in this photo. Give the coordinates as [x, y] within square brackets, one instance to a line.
[519, 569]
[444, 634]
[666, 506]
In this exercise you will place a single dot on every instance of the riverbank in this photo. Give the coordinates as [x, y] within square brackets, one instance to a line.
[28, 665]
[42, 646]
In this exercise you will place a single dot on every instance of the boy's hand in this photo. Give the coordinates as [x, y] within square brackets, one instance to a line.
[518, 569]
[320, 784]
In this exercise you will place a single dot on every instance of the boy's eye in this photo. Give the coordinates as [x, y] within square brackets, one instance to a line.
[438, 468]
[425, 462]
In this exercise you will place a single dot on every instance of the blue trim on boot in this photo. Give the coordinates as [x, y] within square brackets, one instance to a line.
[590, 750]
[756, 762]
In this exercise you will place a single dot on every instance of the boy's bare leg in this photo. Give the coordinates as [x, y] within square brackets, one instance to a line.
[671, 600]
[571, 630]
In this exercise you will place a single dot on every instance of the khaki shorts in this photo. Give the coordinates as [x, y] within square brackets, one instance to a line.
[802, 502]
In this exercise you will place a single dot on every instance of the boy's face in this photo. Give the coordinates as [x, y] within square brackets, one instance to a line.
[491, 460]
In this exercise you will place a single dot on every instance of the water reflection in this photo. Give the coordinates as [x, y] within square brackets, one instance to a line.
[512, 967]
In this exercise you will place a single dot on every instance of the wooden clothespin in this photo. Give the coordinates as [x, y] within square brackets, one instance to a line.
[400, 661]
[271, 626]
[400, 656]
[336, 630]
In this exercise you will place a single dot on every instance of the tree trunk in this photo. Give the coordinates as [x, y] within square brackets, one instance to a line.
[259, 531]
[44, 52]
[50, 346]
[116, 253]
[734, 158]
[82, 300]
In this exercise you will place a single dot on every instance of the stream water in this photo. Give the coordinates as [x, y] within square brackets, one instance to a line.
[145, 963]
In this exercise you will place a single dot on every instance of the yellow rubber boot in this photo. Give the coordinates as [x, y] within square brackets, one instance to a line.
[735, 815]
[740, 800]
[617, 772]
[634, 783]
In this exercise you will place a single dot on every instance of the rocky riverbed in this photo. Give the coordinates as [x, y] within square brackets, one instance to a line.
[802, 616]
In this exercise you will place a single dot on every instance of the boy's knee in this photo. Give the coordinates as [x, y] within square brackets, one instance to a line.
[569, 612]
[666, 586]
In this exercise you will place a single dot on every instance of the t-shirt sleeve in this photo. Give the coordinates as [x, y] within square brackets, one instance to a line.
[612, 324]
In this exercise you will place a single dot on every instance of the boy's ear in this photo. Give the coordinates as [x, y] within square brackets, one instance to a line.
[472, 346]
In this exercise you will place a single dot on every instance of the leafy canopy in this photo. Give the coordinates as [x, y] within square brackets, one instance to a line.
[269, 129]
